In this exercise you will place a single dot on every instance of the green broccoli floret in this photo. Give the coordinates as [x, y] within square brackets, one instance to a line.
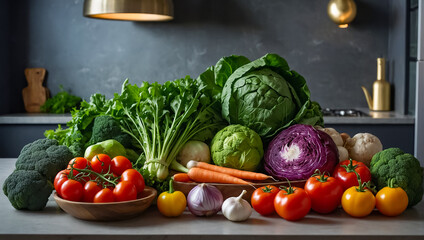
[27, 189]
[106, 127]
[45, 156]
[403, 167]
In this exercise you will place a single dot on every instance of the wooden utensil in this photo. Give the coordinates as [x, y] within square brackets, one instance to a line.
[35, 94]
[108, 211]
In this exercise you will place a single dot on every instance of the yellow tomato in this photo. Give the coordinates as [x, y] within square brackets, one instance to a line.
[171, 204]
[391, 201]
[358, 203]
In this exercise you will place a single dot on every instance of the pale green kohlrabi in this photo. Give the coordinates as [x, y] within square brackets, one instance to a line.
[238, 147]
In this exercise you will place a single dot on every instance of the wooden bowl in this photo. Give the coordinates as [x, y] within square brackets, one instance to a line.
[234, 190]
[108, 211]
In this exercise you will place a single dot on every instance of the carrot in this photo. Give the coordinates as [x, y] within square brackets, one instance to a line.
[207, 176]
[230, 171]
[181, 177]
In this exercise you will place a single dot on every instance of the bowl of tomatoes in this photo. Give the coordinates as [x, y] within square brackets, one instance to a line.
[102, 189]
[108, 211]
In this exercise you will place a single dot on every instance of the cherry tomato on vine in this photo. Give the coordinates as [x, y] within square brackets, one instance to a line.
[135, 177]
[103, 196]
[100, 163]
[345, 172]
[292, 203]
[78, 162]
[90, 190]
[262, 199]
[71, 190]
[119, 164]
[125, 191]
[325, 193]
[60, 178]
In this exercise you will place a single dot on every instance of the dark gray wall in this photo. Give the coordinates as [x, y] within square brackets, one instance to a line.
[88, 55]
[4, 58]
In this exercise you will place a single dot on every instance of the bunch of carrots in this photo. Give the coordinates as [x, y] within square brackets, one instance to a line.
[208, 173]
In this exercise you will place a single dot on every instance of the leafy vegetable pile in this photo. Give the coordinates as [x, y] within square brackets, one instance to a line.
[264, 95]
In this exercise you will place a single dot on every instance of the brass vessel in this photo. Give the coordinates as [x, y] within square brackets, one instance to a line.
[380, 101]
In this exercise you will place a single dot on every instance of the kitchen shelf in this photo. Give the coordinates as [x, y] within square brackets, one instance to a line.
[372, 118]
[35, 118]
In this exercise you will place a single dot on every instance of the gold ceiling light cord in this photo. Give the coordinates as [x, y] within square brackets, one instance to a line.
[342, 12]
[130, 10]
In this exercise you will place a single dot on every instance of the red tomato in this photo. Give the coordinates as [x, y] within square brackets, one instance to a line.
[125, 191]
[135, 177]
[119, 164]
[78, 162]
[292, 204]
[325, 193]
[100, 163]
[71, 190]
[345, 172]
[60, 178]
[62, 173]
[90, 190]
[263, 199]
[103, 196]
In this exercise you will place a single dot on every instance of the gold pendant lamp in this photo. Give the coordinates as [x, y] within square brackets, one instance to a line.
[130, 10]
[342, 12]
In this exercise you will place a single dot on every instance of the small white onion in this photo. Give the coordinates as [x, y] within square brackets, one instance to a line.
[204, 200]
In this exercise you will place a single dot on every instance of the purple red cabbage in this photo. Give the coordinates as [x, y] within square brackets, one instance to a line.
[296, 152]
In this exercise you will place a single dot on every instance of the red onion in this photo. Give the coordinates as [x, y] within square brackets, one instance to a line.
[204, 200]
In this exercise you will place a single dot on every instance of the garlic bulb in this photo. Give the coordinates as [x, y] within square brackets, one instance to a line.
[236, 208]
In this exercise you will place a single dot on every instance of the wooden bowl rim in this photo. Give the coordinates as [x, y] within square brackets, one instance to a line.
[152, 194]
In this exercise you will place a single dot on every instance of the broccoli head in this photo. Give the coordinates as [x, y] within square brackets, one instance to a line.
[106, 127]
[27, 189]
[45, 156]
[403, 167]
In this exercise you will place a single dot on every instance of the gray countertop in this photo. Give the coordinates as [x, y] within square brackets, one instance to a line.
[52, 223]
[372, 118]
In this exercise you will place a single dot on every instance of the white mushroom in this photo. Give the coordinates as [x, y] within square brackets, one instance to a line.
[363, 146]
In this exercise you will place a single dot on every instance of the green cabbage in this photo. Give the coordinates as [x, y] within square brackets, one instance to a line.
[238, 147]
[264, 95]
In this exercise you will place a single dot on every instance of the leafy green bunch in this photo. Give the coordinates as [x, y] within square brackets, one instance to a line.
[162, 118]
[62, 102]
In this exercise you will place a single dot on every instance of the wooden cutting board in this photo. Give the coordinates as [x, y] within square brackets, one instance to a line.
[35, 94]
